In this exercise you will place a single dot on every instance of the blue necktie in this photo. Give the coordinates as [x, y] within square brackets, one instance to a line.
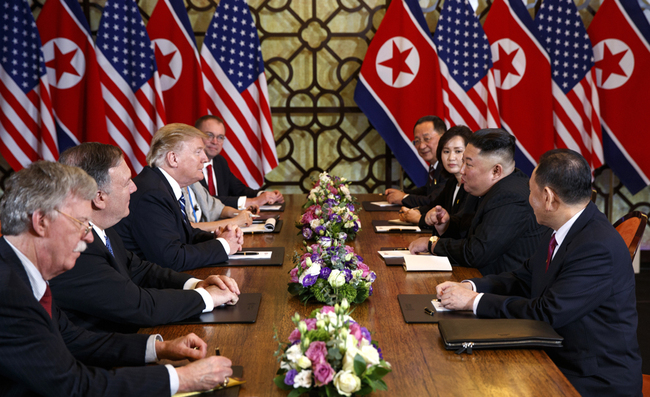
[181, 201]
[108, 245]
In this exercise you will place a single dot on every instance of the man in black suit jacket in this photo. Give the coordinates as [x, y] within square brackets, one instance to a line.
[426, 134]
[157, 229]
[112, 290]
[580, 281]
[44, 214]
[500, 232]
[218, 178]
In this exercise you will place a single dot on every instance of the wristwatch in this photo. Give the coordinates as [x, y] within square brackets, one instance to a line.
[432, 241]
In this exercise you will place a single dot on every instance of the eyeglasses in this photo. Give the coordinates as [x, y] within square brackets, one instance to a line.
[426, 139]
[211, 136]
[86, 229]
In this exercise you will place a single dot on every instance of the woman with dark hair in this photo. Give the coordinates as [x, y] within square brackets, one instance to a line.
[450, 151]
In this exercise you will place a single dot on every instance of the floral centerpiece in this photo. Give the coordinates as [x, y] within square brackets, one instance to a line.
[329, 354]
[329, 210]
[329, 272]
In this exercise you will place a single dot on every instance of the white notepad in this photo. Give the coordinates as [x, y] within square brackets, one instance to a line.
[382, 204]
[267, 226]
[397, 228]
[268, 207]
[426, 263]
[251, 255]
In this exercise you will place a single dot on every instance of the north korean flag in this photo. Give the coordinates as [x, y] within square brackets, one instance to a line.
[73, 74]
[620, 34]
[522, 72]
[179, 65]
[399, 82]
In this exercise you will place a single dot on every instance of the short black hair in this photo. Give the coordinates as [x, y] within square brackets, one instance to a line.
[494, 141]
[95, 158]
[199, 122]
[462, 131]
[439, 126]
[567, 173]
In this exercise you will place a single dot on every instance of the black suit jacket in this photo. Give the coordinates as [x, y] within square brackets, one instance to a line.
[229, 187]
[587, 295]
[155, 229]
[47, 356]
[122, 293]
[500, 235]
[424, 195]
[446, 200]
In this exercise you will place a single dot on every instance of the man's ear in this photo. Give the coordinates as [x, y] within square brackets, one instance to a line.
[171, 159]
[551, 203]
[497, 171]
[40, 223]
[99, 201]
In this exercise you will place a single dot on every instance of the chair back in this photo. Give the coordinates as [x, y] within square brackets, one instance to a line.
[631, 228]
[594, 195]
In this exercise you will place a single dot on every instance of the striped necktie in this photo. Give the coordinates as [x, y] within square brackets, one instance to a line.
[181, 201]
[108, 245]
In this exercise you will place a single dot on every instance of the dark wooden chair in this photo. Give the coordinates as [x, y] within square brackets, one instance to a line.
[594, 195]
[631, 228]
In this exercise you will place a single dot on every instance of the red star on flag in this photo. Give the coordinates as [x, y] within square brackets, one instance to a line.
[163, 63]
[398, 62]
[610, 64]
[505, 63]
[64, 63]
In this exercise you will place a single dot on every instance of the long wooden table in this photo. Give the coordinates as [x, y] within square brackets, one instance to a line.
[421, 365]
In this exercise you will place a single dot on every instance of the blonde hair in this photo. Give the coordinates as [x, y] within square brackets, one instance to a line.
[168, 138]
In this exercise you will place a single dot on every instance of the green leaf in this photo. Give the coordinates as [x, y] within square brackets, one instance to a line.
[366, 389]
[380, 385]
[297, 392]
[379, 372]
[359, 365]
[295, 288]
[335, 353]
[279, 382]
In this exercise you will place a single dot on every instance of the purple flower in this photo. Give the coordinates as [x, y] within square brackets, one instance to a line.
[351, 207]
[325, 272]
[372, 277]
[359, 258]
[294, 336]
[320, 230]
[366, 334]
[307, 233]
[315, 257]
[370, 291]
[348, 275]
[324, 373]
[335, 259]
[309, 280]
[288, 379]
[335, 218]
[355, 227]
[381, 356]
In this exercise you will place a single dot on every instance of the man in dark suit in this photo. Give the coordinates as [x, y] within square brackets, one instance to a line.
[110, 289]
[426, 134]
[157, 228]
[500, 232]
[218, 178]
[44, 213]
[580, 280]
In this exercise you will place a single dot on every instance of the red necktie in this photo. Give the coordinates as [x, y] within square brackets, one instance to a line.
[432, 173]
[211, 188]
[46, 301]
[551, 247]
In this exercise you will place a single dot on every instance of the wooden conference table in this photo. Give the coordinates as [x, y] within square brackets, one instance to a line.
[421, 365]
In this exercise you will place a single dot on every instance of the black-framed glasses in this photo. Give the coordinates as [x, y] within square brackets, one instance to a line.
[211, 136]
[86, 228]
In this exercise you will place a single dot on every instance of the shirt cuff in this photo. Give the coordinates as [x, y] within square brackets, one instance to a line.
[471, 283]
[241, 203]
[191, 283]
[225, 244]
[260, 192]
[476, 301]
[174, 382]
[150, 355]
[209, 303]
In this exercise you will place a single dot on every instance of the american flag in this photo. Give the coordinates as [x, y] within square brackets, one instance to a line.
[469, 91]
[130, 83]
[233, 76]
[576, 113]
[27, 126]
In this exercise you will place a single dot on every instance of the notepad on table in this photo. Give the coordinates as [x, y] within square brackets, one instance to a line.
[268, 207]
[398, 228]
[383, 204]
[251, 255]
[426, 263]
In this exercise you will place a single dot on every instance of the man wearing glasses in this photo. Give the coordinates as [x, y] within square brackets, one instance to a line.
[426, 134]
[44, 212]
[218, 178]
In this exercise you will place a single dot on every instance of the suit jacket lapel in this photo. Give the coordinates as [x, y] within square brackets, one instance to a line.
[186, 225]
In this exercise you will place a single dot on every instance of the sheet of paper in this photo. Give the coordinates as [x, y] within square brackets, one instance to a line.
[383, 204]
[397, 228]
[267, 207]
[255, 228]
[251, 255]
[438, 306]
[419, 263]
[394, 253]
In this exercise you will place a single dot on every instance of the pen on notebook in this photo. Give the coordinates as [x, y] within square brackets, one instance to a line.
[246, 253]
[429, 311]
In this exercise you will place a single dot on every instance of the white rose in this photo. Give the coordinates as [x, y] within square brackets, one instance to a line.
[314, 270]
[304, 363]
[336, 278]
[314, 223]
[348, 224]
[294, 353]
[285, 365]
[303, 379]
[312, 196]
[345, 190]
[370, 354]
[350, 354]
[356, 274]
[346, 383]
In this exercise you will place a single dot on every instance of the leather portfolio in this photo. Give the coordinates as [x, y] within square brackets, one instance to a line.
[467, 334]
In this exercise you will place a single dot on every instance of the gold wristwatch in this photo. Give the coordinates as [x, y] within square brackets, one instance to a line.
[432, 241]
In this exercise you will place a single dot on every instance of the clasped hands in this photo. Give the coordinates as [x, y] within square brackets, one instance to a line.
[233, 235]
[456, 296]
[222, 289]
[202, 373]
